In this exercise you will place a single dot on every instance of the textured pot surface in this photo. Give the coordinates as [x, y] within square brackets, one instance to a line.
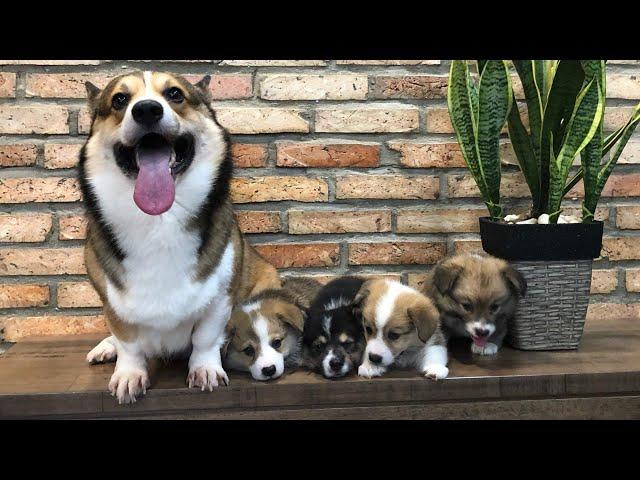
[564, 241]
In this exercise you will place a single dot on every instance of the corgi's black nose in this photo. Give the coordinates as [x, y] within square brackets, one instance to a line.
[147, 112]
[336, 364]
[375, 359]
[482, 332]
[269, 371]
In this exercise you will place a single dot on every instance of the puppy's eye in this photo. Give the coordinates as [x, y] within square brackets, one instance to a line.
[276, 343]
[494, 307]
[174, 94]
[369, 330]
[318, 347]
[249, 351]
[347, 344]
[119, 101]
[393, 336]
[467, 306]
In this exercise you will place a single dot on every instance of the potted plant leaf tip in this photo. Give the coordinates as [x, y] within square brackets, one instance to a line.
[565, 102]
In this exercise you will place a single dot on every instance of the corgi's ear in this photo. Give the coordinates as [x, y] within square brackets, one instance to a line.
[425, 318]
[446, 275]
[291, 315]
[515, 280]
[93, 94]
[360, 299]
[203, 84]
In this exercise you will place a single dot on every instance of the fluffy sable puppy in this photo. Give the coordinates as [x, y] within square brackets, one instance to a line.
[163, 249]
[476, 296]
[333, 340]
[263, 335]
[402, 328]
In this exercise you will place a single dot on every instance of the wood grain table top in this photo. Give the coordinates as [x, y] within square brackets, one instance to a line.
[48, 377]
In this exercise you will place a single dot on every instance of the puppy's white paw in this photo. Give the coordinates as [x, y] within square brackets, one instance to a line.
[104, 352]
[488, 349]
[127, 384]
[436, 371]
[369, 370]
[207, 378]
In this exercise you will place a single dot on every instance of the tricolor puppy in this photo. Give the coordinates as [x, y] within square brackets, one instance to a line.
[333, 340]
[163, 249]
[477, 295]
[264, 333]
[402, 328]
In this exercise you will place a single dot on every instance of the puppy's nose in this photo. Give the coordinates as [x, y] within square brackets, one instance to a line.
[269, 371]
[147, 112]
[336, 364]
[482, 332]
[375, 359]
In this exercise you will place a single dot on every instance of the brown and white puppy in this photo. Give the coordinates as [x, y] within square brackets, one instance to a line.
[163, 249]
[402, 328]
[264, 333]
[477, 295]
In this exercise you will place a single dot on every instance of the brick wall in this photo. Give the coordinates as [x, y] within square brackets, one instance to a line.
[342, 166]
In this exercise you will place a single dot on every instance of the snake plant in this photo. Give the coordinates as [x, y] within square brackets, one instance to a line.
[565, 103]
[478, 114]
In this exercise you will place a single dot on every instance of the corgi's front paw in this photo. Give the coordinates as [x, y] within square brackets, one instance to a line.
[128, 384]
[487, 349]
[435, 371]
[369, 370]
[207, 378]
[104, 352]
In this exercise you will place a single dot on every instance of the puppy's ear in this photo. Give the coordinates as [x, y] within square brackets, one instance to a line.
[446, 275]
[291, 315]
[229, 331]
[425, 318]
[93, 93]
[203, 84]
[359, 299]
[515, 280]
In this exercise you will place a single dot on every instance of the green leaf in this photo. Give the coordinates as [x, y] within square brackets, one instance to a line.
[587, 116]
[563, 92]
[529, 73]
[461, 113]
[494, 102]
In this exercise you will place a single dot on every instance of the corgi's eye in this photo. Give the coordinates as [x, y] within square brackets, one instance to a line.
[347, 344]
[119, 101]
[467, 306]
[393, 336]
[494, 307]
[174, 94]
[276, 343]
[249, 351]
[318, 347]
[369, 330]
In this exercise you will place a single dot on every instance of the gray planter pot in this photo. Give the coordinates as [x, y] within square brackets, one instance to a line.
[556, 260]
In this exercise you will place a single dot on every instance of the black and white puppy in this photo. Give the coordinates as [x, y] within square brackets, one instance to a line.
[333, 337]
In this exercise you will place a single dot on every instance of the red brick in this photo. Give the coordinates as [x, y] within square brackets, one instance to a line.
[439, 220]
[297, 255]
[429, 154]
[604, 281]
[7, 84]
[25, 227]
[61, 155]
[249, 155]
[258, 222]
[77, 295]
[72, 227]
[42, 261]
[603, 312]
[36, 119]
[632, 279]
[39, 190]
[410, 86]
[24, 295]
[276, 189]
[464, 186]
[402, 187]
[467, 246]
[63, 85]
[18, 155]
[628, 217]
[339, 221]
[396, 253]
[621, 248]
[19, 328]
[327, 155]
[227, 87]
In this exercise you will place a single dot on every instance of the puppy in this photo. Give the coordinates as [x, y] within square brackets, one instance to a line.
[333, 339]
[263, 335]
[477, 295]
[402, 328]
[163, 248]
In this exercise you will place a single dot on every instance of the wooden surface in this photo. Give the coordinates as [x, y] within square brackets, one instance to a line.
[47, 377]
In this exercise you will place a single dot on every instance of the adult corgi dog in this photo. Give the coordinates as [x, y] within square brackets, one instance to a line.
[163, 249]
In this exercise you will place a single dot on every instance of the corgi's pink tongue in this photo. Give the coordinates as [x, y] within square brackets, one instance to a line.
[480, 341]
[155, 189]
